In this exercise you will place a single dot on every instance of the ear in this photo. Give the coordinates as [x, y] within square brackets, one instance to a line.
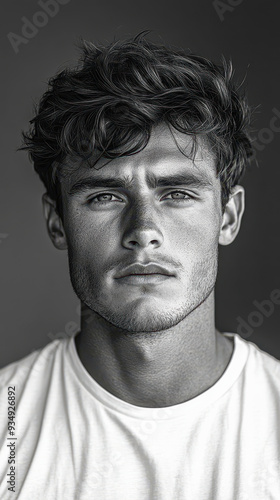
[232, 216]
[54, 224]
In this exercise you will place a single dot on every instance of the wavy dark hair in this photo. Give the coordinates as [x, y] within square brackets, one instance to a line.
[109, 103]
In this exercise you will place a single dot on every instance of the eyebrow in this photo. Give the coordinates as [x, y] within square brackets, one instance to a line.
[153, 182]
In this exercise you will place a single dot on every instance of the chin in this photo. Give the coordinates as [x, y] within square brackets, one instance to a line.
[130, 324]
[140, 318]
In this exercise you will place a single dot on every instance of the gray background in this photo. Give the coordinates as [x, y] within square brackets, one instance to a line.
[37, 300]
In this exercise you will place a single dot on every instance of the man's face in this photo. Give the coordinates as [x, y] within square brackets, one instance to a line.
[155, 207]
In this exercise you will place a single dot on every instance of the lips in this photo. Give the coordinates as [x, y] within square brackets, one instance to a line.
[144, 270]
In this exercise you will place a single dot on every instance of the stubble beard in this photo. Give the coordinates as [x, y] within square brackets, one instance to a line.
[135, 318]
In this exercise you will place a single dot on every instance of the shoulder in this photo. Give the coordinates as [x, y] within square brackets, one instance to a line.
[31, 367]
[261, 370]
[269, 363]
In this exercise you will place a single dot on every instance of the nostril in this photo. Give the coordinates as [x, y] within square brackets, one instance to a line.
[135, 243]
[146, 237]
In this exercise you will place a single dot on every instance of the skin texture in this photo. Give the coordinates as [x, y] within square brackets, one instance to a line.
[139, 331]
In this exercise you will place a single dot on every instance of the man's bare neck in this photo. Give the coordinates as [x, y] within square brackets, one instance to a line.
[155, 369]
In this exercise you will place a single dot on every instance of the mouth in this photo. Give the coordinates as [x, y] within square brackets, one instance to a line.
[141, 279]
[138, 274]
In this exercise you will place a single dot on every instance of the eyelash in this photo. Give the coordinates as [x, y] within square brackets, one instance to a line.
[178, 200]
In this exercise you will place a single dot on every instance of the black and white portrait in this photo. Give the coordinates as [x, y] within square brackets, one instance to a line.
[139, 242]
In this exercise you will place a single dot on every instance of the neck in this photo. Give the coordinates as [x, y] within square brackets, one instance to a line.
[155, 369]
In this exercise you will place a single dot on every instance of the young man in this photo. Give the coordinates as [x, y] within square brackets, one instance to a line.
[141, 149]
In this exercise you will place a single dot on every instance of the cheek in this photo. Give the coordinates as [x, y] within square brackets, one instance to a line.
[197, 234]
[90, 242]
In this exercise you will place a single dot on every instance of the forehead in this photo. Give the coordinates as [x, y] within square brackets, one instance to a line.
[168, 151]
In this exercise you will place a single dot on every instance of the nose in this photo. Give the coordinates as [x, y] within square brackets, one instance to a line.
[142, 229]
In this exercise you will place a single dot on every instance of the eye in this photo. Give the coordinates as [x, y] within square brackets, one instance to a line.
[177, 196]
[104, 198]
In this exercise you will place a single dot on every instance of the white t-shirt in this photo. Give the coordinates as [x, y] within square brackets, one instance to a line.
[77, 441]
